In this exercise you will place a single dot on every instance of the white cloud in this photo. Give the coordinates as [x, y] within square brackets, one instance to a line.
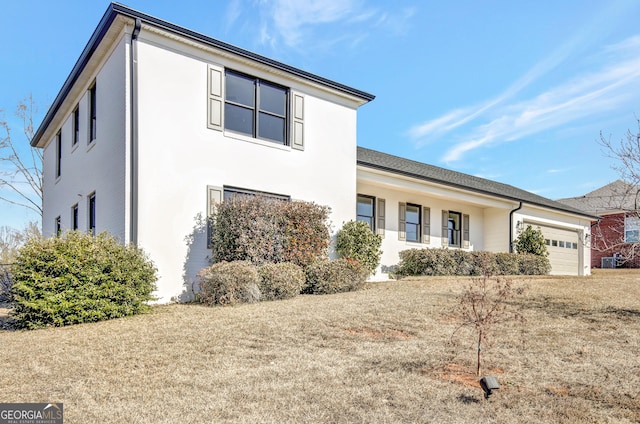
[583, 96]
[311, 24]
[292, 18]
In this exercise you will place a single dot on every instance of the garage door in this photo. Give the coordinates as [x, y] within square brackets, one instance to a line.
[563, 249]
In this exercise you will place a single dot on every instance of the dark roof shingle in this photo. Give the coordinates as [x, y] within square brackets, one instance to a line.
[397, 165]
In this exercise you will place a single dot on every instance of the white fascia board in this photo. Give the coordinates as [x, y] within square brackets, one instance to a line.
[403, 183]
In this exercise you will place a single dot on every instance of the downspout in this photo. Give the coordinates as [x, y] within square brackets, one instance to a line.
[133, 126]
[511, 226]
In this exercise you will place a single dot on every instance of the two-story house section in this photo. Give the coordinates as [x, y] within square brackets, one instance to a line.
[155, 123]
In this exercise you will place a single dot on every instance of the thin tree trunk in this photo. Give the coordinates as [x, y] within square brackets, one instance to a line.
[479, 344]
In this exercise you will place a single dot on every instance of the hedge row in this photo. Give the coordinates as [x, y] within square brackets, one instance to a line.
[229, 283]
[464, 263]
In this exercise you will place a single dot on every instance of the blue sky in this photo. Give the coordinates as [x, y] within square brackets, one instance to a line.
[512, 91]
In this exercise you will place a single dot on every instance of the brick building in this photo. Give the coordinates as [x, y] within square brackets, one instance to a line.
[615, 237]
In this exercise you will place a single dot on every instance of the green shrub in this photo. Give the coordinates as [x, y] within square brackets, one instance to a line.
[228, 283]
[356, 241]
[464, 263]
[531, 240]
[262, 229]
[531, 264]
[428, 262]
[340, 275]
[79, 278]
[5, 284]
[283, 280]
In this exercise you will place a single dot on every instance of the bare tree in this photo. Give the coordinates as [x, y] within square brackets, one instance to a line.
[620, 233]
[483, 305]
[21, 173]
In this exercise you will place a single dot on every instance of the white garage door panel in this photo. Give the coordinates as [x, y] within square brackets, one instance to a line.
[563, 250]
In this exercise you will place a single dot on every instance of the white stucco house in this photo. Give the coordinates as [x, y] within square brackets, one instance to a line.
[156, 123]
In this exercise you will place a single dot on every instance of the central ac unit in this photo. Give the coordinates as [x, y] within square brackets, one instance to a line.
[608, 263]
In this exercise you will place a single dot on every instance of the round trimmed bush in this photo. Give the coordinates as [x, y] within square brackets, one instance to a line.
[283, 280]
[340, 275]
[79, 278]
[229, 283]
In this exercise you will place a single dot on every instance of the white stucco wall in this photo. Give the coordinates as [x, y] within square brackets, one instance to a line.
[496, 223]
[489, 217]
[179, 157]
[391, 246]
[97, 167]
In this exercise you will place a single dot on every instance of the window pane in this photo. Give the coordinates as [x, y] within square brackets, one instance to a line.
[412, 232]
[238, 119]
[271, 127]
[365, 206]
[412, 215]
[273, 99]
[240, 89]
[412, 222]
[366, 219]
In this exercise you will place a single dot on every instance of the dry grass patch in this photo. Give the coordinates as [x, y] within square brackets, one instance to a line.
[379, 355]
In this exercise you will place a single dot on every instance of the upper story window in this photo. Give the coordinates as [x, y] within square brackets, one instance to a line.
[58, 154]
[255, 107]
[76, 126]
[92, 113]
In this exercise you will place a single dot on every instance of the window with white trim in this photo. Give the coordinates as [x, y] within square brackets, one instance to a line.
[75, 137]
[58, 154]
[632, 229]
[93, 114]
[74, 217]
[92, 213]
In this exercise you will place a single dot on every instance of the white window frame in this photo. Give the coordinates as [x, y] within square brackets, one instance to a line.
[632, 229]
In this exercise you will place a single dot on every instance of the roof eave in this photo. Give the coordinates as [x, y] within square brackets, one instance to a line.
[116, 9]
[471, 189]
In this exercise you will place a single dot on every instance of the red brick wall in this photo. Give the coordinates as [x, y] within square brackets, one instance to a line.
[607, 238]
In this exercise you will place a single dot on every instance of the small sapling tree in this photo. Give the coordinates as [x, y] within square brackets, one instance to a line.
[482, 305]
